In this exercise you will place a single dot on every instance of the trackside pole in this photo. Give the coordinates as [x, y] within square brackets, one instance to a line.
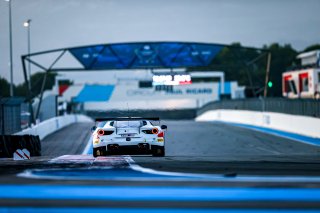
[267, 76]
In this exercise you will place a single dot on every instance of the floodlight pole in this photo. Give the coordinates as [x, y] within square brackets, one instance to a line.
[27, 24]
[10, 44]
[265, 93]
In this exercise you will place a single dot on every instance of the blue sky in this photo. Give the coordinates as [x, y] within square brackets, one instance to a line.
[64, 23]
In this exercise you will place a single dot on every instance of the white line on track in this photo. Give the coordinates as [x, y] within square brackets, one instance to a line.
[111, 162]
[88, 146]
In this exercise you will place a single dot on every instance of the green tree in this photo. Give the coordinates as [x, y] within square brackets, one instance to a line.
[283, 57]
[312, 47]
[36, 83]
[244, 65]
[247, 66]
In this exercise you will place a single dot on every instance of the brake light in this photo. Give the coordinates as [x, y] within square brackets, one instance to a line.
[161, 134]
[100, 132]
[150, 131]
[155, 131]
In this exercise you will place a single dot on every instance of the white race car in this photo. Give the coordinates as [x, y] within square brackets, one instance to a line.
[128, 135]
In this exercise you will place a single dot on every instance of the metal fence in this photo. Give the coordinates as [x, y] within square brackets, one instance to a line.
[305, 107]
[10, 115]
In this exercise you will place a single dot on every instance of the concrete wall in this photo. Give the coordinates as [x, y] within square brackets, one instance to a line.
[302, 125]
[53, 124]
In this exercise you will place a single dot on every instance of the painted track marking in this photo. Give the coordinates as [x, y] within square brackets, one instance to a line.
[138, 173]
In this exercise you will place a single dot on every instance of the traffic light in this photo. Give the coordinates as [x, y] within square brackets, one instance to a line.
[270, 84]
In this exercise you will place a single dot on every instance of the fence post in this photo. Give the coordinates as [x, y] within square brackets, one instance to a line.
[267, 76]
[2, 118]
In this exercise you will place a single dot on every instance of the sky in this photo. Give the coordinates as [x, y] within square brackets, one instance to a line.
[66, 23]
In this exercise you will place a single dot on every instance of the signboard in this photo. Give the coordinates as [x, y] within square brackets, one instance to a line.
[171, 79]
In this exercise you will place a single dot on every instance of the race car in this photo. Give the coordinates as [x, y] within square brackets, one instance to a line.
[128, 135]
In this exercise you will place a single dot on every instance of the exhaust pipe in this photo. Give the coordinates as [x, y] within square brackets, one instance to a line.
[114, 146]
[143, 146]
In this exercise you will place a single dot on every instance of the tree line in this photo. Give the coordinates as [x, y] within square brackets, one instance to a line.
[247, 66]
[22, 89]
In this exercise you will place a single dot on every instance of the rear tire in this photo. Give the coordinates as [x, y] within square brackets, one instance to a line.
[159, 152]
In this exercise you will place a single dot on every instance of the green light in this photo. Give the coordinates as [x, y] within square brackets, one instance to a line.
[270, 84]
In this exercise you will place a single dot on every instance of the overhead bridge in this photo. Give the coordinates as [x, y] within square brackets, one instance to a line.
[126, 56]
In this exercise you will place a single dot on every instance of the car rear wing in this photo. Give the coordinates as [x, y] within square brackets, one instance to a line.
[127, 119]
[131, 119]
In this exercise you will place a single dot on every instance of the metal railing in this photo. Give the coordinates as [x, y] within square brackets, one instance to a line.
[305, 107]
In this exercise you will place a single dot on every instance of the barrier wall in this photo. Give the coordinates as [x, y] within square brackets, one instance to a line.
[301, 125]
[30, 138]
[302, 107]
[53, 124]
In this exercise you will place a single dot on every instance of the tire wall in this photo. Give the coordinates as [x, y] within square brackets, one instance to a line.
[10, 143]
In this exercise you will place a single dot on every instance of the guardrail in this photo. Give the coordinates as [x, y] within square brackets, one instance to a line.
[305, 107]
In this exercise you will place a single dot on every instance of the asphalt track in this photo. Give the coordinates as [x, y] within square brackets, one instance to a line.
[235, 158]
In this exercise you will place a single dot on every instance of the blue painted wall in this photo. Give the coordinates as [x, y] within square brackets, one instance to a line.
[94, 93]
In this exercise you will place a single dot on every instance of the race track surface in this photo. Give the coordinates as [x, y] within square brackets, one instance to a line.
[235, 158]
[67, 141]
[216, 147]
